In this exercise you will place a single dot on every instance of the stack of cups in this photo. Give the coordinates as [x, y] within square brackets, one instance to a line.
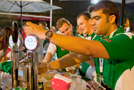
[77, 82]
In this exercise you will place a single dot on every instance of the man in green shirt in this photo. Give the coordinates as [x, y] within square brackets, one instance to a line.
[84, 24]
[65, 28]
[118, 50]
[109, 71]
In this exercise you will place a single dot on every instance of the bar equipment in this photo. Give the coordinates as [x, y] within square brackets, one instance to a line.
[15, 56]
[24, 71]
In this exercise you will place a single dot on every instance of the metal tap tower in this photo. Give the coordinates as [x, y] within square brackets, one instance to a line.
[24, 71]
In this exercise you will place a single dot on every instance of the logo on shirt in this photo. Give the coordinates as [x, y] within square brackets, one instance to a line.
[62, 49]
[108, 40]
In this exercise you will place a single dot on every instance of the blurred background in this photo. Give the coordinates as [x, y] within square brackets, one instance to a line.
[70, 10]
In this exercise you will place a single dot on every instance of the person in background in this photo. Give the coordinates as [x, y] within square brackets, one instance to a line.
[78, 31]
[43, 25]
[53, 29]
[4, 42]
[116, 68]
[84, 25]
[65, 28]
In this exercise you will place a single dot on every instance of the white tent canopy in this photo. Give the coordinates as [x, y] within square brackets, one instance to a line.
[36, 6]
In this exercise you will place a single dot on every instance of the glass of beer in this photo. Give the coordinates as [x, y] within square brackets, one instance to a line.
[47, 80]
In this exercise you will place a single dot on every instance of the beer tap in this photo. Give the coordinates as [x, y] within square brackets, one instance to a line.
[32, 43]
[15, 55]
[24, 71]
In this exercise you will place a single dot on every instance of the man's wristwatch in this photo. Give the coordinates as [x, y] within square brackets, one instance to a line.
[48, 35]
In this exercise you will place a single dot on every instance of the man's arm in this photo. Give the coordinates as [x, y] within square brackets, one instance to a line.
[65, 61]
[70, 43]
[48, 56]
[91, 62]
[50, 52]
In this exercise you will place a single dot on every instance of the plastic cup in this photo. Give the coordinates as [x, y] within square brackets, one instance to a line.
[77, 82]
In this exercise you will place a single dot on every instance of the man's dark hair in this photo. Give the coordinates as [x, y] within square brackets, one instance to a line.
[108, 7]
[85, 14]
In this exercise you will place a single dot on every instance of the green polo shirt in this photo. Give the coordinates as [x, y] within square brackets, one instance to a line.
[61, 52]
[120, 50]
[84, 65]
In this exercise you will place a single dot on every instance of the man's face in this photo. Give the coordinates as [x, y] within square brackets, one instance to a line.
[66, 29]
[83, 24]
[78, 31]
[100, 23]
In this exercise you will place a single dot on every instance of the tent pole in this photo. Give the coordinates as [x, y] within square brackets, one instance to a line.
[51, 2]
[122, 12]
[21, 15]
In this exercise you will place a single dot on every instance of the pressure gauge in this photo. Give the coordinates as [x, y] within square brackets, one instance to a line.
[32, 42]
[11, 41]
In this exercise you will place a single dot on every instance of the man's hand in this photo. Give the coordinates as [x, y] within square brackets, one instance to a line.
[31, 28]
[42, 67]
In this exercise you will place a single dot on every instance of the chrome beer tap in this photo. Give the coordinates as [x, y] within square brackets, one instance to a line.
[28, 67]
[24, 71]
[15, 55]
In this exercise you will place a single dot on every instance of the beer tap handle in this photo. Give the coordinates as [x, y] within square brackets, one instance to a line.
[15, 56]
[15, 31]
